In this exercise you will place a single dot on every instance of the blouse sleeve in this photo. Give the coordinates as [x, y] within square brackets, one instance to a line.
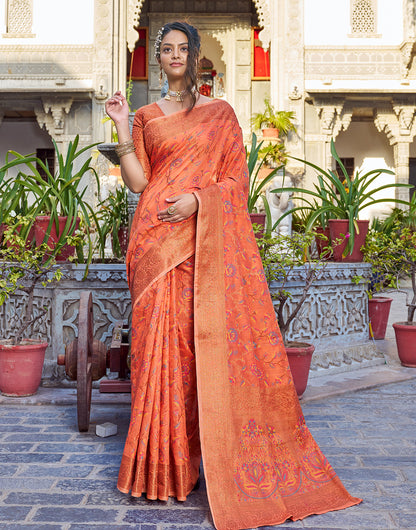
[139, 142]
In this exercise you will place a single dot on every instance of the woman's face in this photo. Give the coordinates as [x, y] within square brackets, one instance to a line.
[174, 53]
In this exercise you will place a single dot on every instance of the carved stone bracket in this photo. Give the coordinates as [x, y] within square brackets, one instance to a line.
[397, 121]
[334, 115]
[405, 113]
[52, 115]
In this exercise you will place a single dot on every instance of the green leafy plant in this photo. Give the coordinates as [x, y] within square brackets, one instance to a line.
[274, 154]
[282, 256]
[392, 255]
[256, 187]
[341, 198]
[61, 194]
[281, 120]
[113, 214]
[22, 270]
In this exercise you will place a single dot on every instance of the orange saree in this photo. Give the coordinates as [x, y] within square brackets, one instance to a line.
[209, 370]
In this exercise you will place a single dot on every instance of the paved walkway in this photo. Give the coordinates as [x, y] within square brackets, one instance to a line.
[53, 477]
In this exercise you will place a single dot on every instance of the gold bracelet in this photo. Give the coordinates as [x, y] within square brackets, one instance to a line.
[125, 148]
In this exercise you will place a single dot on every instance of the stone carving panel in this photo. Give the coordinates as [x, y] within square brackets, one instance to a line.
[11, 312]
[335, 313]
[363, 18]
[19, 18]
[327, 63]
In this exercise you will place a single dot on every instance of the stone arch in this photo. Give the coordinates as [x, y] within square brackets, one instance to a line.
[134, 9]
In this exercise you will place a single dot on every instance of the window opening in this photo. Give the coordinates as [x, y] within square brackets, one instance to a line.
[47, 156]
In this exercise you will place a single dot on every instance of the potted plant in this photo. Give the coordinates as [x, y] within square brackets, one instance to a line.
[379, 242]
[59, 200]
[22, 270]
[257, 185]
[392, 253]
[341, 201]
[272, 122]
[284, 256]
[113, 215]
[274, 154]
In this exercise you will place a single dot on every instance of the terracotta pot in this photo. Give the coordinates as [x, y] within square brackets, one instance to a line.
[299, 355]
[123, 237]
[270, 132]
[41, 227]
[338, 228]
[21, 367]
[378, 315]
[259, 219]
[406, 343]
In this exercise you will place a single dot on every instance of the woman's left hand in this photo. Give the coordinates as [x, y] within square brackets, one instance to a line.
[181, 207]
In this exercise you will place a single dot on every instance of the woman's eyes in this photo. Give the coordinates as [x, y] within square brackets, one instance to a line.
[168, 49]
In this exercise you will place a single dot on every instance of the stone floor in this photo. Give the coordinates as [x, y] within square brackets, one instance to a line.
[53, 477]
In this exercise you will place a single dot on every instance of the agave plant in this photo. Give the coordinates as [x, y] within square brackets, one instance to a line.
[333, 198]
[61, 194]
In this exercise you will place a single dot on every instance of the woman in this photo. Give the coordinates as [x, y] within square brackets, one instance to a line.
[209, 370]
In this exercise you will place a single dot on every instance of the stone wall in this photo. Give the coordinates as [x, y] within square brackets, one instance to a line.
[334, 317]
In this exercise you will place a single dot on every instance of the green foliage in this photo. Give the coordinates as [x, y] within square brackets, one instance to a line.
[113, 214]
[23, 267]
[282, 120]
[282, 256]
[392, 255]
[333, 198]
[273, 154]
[61, 194]
[256, 188]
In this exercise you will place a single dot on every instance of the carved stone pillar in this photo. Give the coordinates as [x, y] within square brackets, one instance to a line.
[401, 166]
[399, 125]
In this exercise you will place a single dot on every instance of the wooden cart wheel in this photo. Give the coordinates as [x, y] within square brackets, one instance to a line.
[99, 360]
[84, 360]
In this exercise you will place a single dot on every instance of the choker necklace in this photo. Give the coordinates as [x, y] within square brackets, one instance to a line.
[175, 93]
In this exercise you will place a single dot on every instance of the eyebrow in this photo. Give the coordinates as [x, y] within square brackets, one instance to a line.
[169, 44]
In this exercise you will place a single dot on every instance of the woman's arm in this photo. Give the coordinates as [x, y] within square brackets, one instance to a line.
[131, 170]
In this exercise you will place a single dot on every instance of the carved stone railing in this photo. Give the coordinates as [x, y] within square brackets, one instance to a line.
[334, 317]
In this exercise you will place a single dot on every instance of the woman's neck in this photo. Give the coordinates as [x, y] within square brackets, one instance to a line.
[177, 85]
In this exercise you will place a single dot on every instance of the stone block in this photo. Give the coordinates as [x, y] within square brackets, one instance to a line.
[106, 429]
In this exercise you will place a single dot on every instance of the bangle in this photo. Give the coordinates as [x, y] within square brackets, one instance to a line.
[125, 148]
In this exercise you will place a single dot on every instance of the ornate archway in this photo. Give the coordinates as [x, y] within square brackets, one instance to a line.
[134, 9]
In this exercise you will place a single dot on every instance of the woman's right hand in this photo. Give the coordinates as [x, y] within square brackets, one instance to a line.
[117, 108]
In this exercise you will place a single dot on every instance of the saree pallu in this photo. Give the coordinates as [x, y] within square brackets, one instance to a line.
[204, 332]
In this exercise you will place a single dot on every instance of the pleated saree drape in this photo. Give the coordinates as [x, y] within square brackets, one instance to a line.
[209, 370]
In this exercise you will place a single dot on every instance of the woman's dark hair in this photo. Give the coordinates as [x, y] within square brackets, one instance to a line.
[194, 45]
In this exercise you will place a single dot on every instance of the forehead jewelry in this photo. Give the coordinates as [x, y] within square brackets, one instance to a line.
[158, 41]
